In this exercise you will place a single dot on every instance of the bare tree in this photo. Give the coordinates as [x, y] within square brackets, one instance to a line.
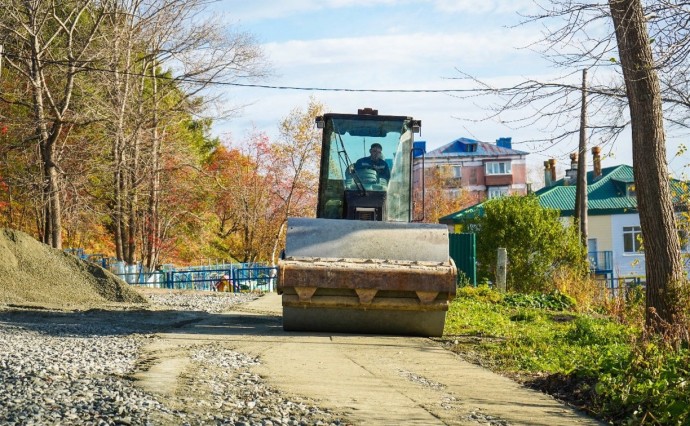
[164, 55]
[199, 53]
[577, 35]
[48, 43]
[295, 168]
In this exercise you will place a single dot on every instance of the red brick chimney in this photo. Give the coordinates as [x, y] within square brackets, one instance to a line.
[596, 161]
[552, 166]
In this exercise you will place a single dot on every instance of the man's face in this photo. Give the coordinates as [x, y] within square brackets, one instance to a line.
[375, 153]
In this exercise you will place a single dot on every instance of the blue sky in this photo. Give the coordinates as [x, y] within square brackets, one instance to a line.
[387, 44]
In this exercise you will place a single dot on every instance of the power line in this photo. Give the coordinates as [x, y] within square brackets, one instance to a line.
[257, 86]
[332, 89]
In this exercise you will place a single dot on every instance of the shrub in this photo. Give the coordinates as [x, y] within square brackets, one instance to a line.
[650, 386]
[525, 315]
[463, 280]
[590, 331]
[536, 241]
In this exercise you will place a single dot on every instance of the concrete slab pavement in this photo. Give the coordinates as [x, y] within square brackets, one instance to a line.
[378, 379]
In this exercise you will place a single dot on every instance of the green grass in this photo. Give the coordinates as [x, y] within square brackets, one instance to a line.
[594, 362]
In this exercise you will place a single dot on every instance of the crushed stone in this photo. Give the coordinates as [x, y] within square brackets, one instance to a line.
[32, 274]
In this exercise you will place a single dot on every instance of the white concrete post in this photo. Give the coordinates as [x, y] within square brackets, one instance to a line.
[501, 269]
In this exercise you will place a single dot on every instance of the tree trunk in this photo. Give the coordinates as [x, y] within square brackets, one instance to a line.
[664, 268]
[154, 188]
[132, 202]
[55, 206]
[52, 232]
[134, 180]
[117, 187]
[118, 160]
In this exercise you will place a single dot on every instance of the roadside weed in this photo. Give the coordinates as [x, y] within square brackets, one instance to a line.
[600, 363]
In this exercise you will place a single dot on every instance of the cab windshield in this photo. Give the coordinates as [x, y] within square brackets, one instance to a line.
[354, 163]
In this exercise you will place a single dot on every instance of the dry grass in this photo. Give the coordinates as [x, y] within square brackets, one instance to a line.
[584, 290]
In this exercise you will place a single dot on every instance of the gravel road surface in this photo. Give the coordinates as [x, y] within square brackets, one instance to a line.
[198, 359]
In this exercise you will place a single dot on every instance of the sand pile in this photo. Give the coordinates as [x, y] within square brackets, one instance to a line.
[34, 274]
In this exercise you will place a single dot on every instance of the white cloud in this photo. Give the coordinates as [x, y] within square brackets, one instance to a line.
[256, 10]
[270, 9]
[485, 6]
[411, 61]
[391, 60]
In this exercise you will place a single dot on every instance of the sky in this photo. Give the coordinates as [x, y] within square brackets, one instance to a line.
[400, 45]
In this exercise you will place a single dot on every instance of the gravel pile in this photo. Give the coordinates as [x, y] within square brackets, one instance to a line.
[34, 274]
[77, 368]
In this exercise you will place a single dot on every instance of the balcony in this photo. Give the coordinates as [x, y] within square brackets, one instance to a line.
[600, 262]
[498, 180]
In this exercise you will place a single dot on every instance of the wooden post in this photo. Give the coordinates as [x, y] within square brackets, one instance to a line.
[501, 269]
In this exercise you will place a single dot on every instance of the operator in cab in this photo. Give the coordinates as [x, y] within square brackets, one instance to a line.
[375, 162]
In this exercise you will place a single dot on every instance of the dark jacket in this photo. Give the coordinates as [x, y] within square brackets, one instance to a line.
[380, 166]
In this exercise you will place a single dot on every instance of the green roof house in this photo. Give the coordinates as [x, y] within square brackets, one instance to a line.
[613, 222]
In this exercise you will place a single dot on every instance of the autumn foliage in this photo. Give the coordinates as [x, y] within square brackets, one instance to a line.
[439, 196]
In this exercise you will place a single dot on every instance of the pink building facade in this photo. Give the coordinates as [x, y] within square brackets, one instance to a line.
[482, 170]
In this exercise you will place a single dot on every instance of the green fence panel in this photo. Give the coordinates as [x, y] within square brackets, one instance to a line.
[463, 251]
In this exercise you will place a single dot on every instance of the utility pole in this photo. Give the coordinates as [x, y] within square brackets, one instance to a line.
[580, 212]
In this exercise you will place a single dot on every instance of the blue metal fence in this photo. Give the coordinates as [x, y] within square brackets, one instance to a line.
[625, 287]
[226, 277]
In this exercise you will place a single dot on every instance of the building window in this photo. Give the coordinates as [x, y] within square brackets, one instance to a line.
[632, 239]
[630, 190]
[473, 175]
[498, 168]
[456, 172]
[497, 191]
